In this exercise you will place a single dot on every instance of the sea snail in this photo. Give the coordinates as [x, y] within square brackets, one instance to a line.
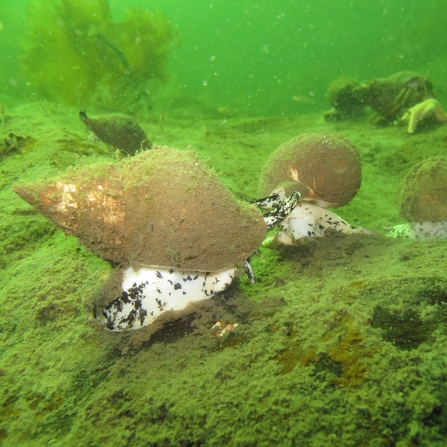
[325, 169]
[165, 219]
[423, 201]
[118, 130]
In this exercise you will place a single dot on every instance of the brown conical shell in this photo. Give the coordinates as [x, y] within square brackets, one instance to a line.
[160, 208]
[118, 130]
[423, 194]
[324, 168]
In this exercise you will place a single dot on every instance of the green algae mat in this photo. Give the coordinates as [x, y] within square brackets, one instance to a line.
[341, 341]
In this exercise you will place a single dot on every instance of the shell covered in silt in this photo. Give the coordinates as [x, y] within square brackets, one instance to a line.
[162, 207]
[120, 131]
[323, 167]
[423, 194]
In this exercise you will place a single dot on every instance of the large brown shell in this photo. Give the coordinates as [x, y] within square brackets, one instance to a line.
[160, 208]
[423, 194]
[323, 167]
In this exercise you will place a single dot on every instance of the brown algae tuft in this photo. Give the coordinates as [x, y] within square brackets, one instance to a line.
[76, 54]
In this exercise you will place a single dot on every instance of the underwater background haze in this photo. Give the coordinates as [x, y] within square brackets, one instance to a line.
[257, 56]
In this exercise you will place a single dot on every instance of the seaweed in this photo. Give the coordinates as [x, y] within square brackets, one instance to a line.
[76, 54]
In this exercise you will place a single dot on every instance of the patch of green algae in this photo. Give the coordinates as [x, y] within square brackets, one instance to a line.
[320, 355]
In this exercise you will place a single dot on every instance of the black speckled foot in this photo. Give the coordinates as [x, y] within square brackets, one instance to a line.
[280, 208]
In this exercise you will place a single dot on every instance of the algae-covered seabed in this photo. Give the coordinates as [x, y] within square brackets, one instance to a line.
[341, 341]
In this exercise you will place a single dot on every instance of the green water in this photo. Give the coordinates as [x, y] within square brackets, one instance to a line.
[257, 55]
